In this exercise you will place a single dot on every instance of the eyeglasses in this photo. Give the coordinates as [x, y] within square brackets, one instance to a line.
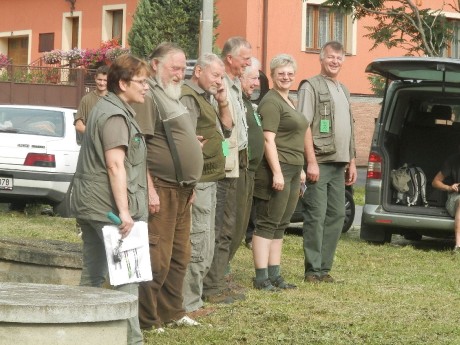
[142, 82]
[290, 75]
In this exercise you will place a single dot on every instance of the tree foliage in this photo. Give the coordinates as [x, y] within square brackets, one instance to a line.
[156, 21]
[400, 23]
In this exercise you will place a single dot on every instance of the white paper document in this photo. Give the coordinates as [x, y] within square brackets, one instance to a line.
[128, 259]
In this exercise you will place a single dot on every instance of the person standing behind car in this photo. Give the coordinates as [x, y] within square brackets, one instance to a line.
[330, 156]
[89, 101]
[205, 97]
[111, 173]
[245, 187]
[277, 181]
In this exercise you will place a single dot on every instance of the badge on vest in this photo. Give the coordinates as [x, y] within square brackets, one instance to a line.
[256, 116]
[225, 148]
[324, 126]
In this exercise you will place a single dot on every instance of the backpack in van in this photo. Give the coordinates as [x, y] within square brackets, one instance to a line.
[410, 185]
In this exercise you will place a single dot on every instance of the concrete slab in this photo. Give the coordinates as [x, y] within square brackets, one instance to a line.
[46, 303]
[43, 314]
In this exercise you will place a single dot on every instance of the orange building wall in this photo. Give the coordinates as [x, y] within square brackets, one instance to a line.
[233, 14]
[47, 16]
[284, 36]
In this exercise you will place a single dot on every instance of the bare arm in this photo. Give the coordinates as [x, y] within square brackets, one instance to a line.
[114, 159]
[351, 174]
[225, 115]
[310, 157]
[438, 183]
[154, 199]
[271, 154]
[80, 126]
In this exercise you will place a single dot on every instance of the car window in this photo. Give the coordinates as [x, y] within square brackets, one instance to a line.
[32, 121]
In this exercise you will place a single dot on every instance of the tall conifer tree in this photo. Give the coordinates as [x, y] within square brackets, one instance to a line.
[156, 21]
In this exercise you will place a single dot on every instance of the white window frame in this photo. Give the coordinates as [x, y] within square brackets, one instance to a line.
[352, 29]
[449, 52]
[66, 40]
[107, 22]
[4, 36]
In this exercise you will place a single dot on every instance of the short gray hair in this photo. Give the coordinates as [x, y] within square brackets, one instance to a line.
[233, 46]
[207, 59]
[335, 46]
[255, 66]
[163, 49]
[282, 60]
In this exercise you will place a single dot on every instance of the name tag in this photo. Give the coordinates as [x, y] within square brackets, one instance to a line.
[324, 126]
[225, 148]
[256, 116]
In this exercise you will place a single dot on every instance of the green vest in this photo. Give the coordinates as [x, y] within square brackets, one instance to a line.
[256, 139]
[213, 156]
[92, 194]
[324, 143]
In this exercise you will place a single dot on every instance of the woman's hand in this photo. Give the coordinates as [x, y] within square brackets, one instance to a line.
[303, 176]
[278, 182]
[126, 225]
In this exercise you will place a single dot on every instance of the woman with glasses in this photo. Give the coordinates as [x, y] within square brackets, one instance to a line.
[111, 173]
[278, 178]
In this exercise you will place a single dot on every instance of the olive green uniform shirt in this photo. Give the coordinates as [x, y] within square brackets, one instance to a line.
[288, 124]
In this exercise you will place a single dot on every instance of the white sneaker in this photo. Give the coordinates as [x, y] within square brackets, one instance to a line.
[186, 321]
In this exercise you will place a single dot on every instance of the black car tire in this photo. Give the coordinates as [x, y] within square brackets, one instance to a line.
[63, 208]
[412, 236]
[349, 211]
[18, 206]
[375, 234]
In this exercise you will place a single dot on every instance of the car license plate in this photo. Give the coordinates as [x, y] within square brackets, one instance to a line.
[6, 183]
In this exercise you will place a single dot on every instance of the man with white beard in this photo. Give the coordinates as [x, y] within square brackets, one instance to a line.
[175, 164]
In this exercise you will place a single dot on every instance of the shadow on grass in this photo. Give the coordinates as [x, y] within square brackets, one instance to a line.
[426, 243]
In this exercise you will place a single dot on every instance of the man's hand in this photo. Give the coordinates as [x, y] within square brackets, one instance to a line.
[201, 140]
[454, 187]
[154, 201]
[192, 196]
[351, 174]
[312, 172]
[221, 95]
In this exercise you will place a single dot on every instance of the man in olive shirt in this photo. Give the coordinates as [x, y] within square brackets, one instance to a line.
[175, 163]
[236, 55]
[245, 187]
[205, 97]
[89, 101]
[330, 156]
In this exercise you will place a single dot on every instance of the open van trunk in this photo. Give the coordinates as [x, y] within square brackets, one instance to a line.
[419, 125]
[422, 130]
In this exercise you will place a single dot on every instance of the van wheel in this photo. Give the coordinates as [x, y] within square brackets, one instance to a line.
[375, 234]
[63, 208]
[412, 236]
[349, 211]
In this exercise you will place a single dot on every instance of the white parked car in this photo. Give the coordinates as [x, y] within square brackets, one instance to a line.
[38, 156]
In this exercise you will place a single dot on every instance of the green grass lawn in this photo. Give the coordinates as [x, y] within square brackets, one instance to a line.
[400, 293]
